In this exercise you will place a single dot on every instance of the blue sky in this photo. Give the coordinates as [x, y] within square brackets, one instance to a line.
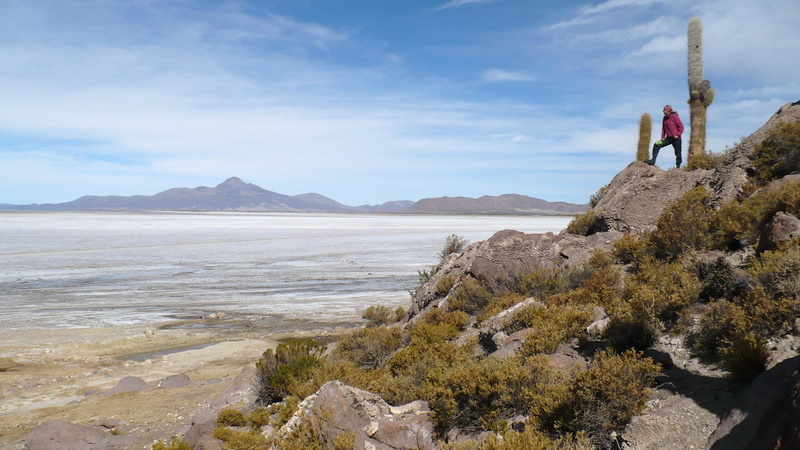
[367, 101]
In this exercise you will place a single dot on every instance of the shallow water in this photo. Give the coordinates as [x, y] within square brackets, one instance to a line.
[287, 271]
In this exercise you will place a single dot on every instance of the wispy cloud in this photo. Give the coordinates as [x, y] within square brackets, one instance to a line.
[458, 3]
[501, 75]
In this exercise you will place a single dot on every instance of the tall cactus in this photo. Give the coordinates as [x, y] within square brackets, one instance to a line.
[701, 95]
[645, 131]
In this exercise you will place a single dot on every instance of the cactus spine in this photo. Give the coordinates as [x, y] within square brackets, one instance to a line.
[701, 95]
[645, 130]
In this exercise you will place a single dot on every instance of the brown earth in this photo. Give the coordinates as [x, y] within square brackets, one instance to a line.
[65, 374]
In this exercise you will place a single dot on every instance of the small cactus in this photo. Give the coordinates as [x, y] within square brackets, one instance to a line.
[645, 132]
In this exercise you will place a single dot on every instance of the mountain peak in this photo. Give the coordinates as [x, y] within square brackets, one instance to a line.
[233, 182]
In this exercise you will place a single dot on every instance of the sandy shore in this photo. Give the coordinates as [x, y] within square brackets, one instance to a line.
[64, 374]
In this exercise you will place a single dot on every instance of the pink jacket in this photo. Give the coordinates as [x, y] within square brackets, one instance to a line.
[671, 125]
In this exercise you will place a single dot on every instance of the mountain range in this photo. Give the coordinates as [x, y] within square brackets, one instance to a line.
[236, 195]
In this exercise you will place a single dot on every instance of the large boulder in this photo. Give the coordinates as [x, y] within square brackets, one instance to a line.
[336, 408]
[62, 435]
[767, 413]
[780, 230]
[500, 260]
[635, 198]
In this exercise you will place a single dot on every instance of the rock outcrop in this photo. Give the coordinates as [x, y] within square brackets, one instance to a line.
[62, 435]
[336, 408]
[635, 198]
[498, 261]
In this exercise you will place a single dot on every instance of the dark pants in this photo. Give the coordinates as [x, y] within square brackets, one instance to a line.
[675, 143]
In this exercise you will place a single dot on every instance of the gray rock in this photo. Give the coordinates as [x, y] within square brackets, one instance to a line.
[781, 229]
[501, 260]
[636, 196]
[336, 407]
[766, 414]
[62, 435]
[175, 381]
[128, 384]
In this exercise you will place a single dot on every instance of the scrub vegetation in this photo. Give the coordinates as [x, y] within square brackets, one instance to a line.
[653, 284]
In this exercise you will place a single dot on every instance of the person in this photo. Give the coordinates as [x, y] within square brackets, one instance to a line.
[671, 131]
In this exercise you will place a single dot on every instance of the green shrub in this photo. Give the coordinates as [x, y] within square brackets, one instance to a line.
[369, 348]
[378, 315]
[683, 225]
[231, 417]
[778, 154]
[583, 224]
[469, 296]
[281, 372]
[607, 396]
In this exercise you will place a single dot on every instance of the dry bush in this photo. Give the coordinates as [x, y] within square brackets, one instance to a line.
[499, 304]
[582, 224]
[778, 271]
[683, 225]
[744, 356]
[551, 326]
[659, 293]
[453, 244]
[444, 285]
[378, 315]
[778, 154]
[625, 331]
[739, 224]
[719, 280]
[705, 160]
[287, 370]
[476, 394]
[544, 281]
[469, 296]
[629, 248]
[604, 398]
[369, 348]
[231, 417]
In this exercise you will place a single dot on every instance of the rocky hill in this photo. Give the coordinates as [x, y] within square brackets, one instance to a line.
[503, 204]
[665, 317]
[236, 195]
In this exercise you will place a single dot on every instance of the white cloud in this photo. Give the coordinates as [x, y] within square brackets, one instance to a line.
[501, 75]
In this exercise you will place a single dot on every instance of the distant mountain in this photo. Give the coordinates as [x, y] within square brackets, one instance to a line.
[503, 204]
[236, 195]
